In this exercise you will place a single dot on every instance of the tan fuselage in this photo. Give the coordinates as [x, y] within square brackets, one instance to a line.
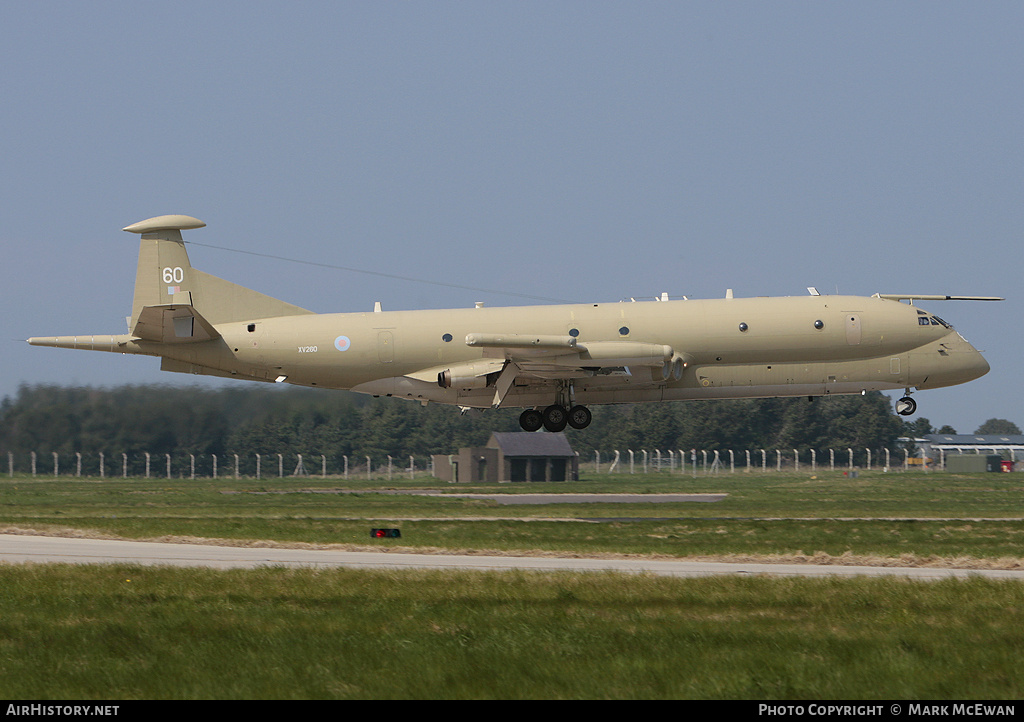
[533, 356]
[750, 347]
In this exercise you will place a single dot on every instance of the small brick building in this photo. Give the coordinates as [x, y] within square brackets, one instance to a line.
[511, 456]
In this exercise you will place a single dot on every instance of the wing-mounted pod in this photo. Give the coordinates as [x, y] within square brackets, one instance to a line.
[623, 353]
[518, 344]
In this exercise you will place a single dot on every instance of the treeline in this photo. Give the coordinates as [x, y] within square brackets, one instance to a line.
[245, 421]
[265, 420]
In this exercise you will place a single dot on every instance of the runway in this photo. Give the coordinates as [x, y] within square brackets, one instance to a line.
[19, 549]
[519, 498]
[515, 499]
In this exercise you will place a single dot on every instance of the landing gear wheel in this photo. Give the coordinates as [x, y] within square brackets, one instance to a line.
[555, 418]
[531, 420]
[906, 406]
[580, 417]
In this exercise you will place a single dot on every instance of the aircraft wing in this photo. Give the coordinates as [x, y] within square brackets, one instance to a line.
[508, 357]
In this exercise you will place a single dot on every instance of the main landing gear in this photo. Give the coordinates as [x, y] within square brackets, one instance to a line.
[555, 418]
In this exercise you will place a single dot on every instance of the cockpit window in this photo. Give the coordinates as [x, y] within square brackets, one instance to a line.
[922, 320]
[940, 322]
[932, 321]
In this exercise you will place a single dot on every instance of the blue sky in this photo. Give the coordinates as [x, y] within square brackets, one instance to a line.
[581, 151]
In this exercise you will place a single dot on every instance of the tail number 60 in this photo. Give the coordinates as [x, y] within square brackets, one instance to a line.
[174, 275]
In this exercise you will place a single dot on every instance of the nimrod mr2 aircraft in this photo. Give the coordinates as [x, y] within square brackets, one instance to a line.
[553, 360]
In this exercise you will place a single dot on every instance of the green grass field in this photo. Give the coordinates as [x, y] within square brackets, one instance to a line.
[893, 516]
[132, 632]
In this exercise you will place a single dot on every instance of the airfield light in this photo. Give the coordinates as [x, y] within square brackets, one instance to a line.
[385, 534]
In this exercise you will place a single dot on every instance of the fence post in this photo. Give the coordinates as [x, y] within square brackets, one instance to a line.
[10, 464]
[851, 458]
[147, 464]
[258, 470]
[236, 466]
[869, 457]
[323, 466]
[55, 465]
[796, 460]
[124, 465]
[78, 463]
[814, 460]
[630, 460]
[192, 466]
[168, 465]
[280, 466]
[412, 467]
[101, 464]
[214, 465]
[367, 468]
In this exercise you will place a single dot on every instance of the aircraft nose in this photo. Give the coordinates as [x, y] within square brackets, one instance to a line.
[974, 363]
[956, 362]
[969, 362]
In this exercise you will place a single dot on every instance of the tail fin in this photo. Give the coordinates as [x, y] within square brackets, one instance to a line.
[165, 276]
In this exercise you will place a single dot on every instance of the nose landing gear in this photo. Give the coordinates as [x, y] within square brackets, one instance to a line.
[906, 406]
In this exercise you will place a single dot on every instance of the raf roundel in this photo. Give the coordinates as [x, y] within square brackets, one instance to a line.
[342, 343]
